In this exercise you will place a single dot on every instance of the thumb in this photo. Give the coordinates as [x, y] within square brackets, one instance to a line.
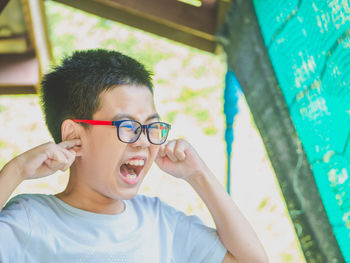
[161, 152]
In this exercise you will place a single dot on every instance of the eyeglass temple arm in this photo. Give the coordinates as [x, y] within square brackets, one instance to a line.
[94, 122]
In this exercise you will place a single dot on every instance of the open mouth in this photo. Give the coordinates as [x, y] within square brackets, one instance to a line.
[131, 170]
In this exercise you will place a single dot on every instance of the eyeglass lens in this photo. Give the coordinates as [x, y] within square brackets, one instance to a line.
[129, 131]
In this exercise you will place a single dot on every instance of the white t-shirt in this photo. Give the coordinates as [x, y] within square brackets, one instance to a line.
[42, 228]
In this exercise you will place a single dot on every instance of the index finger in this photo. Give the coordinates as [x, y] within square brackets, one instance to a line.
[69, 143]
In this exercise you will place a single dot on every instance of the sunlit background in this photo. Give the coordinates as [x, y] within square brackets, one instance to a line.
[189, 87]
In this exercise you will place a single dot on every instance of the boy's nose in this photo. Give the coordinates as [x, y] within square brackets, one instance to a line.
[142, 141]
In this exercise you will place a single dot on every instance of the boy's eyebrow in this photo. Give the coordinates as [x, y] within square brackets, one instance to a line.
[127, 116]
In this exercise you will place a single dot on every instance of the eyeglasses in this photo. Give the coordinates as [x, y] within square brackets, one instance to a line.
[129, 131]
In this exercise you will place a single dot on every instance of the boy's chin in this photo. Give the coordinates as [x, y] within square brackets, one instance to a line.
[126, 194]
[129, 196]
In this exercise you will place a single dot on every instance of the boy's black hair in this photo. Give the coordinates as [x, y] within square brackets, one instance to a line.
[72, 90]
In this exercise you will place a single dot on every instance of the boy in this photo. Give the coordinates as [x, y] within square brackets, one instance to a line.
[99, 109]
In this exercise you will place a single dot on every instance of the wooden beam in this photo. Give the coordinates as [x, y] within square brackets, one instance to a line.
[15, 90]
[140, 14]
[221, 11]
[36, 19]
[202, 18]
[3, 3]
[18, 72]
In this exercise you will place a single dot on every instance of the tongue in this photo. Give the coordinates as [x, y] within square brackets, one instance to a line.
[125, 170]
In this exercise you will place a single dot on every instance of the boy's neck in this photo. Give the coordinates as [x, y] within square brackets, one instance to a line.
[77, 201]
[82, 197]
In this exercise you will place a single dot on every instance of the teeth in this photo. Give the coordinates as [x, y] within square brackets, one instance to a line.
[136, 162]
[131, 176]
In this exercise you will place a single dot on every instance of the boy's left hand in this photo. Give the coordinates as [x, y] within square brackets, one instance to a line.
[179, 158]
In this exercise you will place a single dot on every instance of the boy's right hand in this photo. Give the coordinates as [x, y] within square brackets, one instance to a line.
[46, 159]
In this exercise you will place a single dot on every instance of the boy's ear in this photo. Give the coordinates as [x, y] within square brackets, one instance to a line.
[70, 131]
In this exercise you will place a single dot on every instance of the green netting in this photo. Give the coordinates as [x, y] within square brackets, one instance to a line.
[309, 46]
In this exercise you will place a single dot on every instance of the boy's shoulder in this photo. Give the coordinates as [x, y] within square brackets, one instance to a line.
[154, 204]
[28, 203]
[25, 199]
[140, 198]
[153, 201]
[21, 210]
[42, 204]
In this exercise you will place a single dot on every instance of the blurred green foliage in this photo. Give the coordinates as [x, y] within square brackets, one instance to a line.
[287, 257]
[199, 72]
[170, 116]
[2, 144]
[263, 203]
[210, 130]
[103, 23]
[189, 94]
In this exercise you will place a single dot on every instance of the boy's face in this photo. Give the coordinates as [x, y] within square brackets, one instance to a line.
[109, 165]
